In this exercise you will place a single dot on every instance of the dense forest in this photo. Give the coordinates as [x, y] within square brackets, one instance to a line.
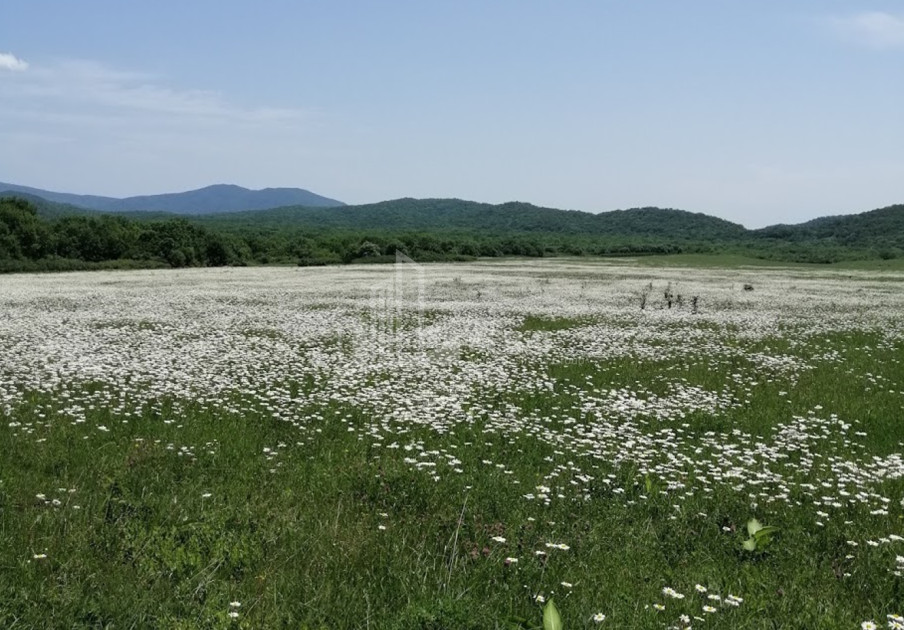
[31, 242]
[439, 215]
[36, 234]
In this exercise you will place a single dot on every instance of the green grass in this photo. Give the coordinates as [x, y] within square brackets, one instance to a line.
[877, 264]
[297, 537]
[734, 261]
[547, 324]
[710, 261]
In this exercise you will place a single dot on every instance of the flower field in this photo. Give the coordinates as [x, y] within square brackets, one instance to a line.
[452, 446]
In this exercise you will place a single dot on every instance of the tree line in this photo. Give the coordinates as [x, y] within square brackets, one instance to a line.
[29, 241]
[32, 242]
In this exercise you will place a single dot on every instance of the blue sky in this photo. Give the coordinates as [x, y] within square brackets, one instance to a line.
[758, 112]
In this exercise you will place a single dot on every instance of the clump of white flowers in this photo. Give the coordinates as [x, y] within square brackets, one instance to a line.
[452, 372]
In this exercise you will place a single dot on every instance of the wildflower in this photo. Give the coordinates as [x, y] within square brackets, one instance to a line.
[670, 592]
[868, 625]
[709, 609]
[235, 604]
[566, 584]
[498, 539]
[206, 495]
[539, 598]
[599, 617]
[699, 588]
[233, 614]
[39, 556]
[658, 606]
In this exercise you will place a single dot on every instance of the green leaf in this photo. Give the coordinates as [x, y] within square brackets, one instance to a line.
[750, 544]
[551, 618]
[765, 532]
[753, 526]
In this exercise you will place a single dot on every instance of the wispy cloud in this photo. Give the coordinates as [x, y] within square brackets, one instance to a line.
[875, 29]
[77, 84]
[88, 121]
[9, 61]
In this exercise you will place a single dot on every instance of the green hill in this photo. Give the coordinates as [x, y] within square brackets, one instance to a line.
[513, 217]
[880, 230]
[37, 234]
[885, 225]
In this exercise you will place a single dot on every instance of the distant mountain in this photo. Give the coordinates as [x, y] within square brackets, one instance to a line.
[277, 209]
[212, 199]
[37, 234]
[456, 214]
[90, 202]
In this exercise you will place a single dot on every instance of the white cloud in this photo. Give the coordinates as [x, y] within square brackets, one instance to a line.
[75, 85]
[102, 129]
[9, 61]
[875, 29]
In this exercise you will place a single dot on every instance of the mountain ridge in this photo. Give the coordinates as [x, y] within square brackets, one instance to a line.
[36, 234]
[456, 214]
[881, 228]
[213, 199]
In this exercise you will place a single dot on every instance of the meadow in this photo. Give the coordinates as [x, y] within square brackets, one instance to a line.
[452, 446]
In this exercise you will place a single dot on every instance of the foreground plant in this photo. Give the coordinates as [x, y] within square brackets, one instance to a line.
[551, 618]
[760, 536]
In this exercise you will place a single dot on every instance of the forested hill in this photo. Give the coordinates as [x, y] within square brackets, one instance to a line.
[513, 217]
[36, 234]
[239, 210]
[882, 228]
[208, 200]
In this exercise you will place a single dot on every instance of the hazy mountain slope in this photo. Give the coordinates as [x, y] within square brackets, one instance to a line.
[46, 208]
[224, 198]
[211, 199]
[92, 202]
